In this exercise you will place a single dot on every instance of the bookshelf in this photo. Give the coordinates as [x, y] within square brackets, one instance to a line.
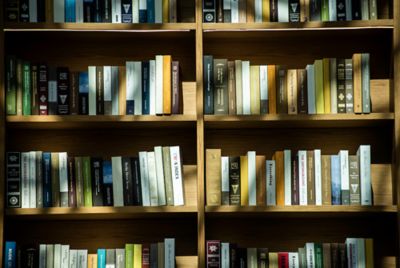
[280, 228]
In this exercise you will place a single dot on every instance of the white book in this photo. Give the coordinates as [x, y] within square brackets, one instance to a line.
[283, 10]
[42, 256]
[32, 179]
[311, 89]
[258, 10]
[238, 86]
[235, 11]
[224, 255]
[318, 177]
[73, 258]
[225, 177]
[361, 252]
[118, 193]
[344, 175]
[271, 183]
[310, 255]
[332, 10]
[25, 200]
[120, 258]
[63, 177]
[287, 163]
[169, 253]
[162, 200]
[57, 256]
[152, 86]
[33, 11]
[134, 85]
[135, 11]
[263, 83]
[352, 252]
[158, 11]
[49, 256]
[144, 179]
[294, 260]
[64, 256]
[251, 163]
[177, 176]
[116, 11]
[59, 11]
[333, 84]
[92, 90]
[364, 156]
[151, 163]
[246, 87]
[302, 158]
[159, 84]
[114, 90]
[82, 258]
[107, 84]
[79, 11]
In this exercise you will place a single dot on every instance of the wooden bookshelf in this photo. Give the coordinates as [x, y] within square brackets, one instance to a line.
[78, 45]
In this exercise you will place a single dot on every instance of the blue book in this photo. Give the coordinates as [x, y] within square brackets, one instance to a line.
[126, 11]
[336, 180]
[208, 84]
[88, 11]
[101, 258]
[47, 193]
[107, 183]
[311, 89]
[142, 15]
[70, 8]
[145, 87]
[83, 93]
[151, 14]
[10, 254]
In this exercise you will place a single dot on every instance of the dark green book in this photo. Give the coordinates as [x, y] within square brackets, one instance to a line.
[319, 263]
[87, 182]
[26, 88]
[11, 85]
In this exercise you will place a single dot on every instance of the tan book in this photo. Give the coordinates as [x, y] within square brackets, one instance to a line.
[244, 182]
[250, 11]
[255, 89]
[167, 93]
[92, 260]
[122, 89]
[265, 11]
[169, 191]
[239, 87]
[189, 98]
[242, 11]
[213, 177]
[310, 178]
[292, 91]
[327, 85]
[272, 89]
[261, 180]
[165, 11]
[273, 259]
[326, 180]
[304, 10]
[231, 88]
[280, 178]
[55, 179]
[369, 253]
[357, 83]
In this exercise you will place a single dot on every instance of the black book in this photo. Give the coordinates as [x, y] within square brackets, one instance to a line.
[220, 11]
[241, 254]
[99, 90]
[13, 160]
[294, 10]
[107, 11]
[126, 11]
[153, 255]
[342, 255]
[62, 90]
[29, 257]
[273, 10]
[41, 10]
[315, 10]
[209, 11]
[341, 10]
[234, 180]
[295, 181]
[208, 80]
[97, 180]
[233, 258]
[12, 11]
[127, 181]
[89, 11]
[221, 98]
[356, 9]
[137, 186]
[24, 10]
[98, 10]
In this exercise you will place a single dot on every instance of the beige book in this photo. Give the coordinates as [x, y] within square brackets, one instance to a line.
[122, 89]
[255, 89]
[169, 191]
[213, 177]
[92, 260]
[326, 180]
[292, 91]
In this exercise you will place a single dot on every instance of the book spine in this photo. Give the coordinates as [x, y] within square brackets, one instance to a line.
[294, 10]
[84, 94]
[295, 181]
[167, 91]
[47, 180]
[137, 190]
[315, 10]
[52, 86]
[235, 11]
[24, 10]
[151, 16]
[341, 86]
[333, 85]
[344, 176]
[282, 98]
[169, 261]
[97, 181]
[283, 10]
[302, 156]
[310, 178]
[349, 12]
[357, 83]
[169, 191]
[79, 182]
[318, 177]
[71, 183]
[87, 182]
[364, 154]
[74, 93]
[25, 201]
[326, 180]
[213, 177]
[365, 74]
[302, 101]
[177, 176]
[116, 11]
[10, 250]
[251, 169]
[336, 181]
[118, 193]
[26, 85]
[99, 90]
[162, 201]
[234, 180]
[231, 88]
[127, 181]
[12, 11]
[114, 91]
[227, 11]
[365, 9]
[288, 176]
[122, 90]
[224, 180]
[39, 179]
[293, 259]
[292, 91]
[349, 86]
[326, 85]
[32, 179]
[126, 11]
[246, 100]
[354, 177]
[220, 86]
[33, 11]
[213, 253]
[341, 10]
[34, 90]
[176, 88]
[352, 248]
[356, 10]
[332, 10]
[209, 11]
[55, 179]
[144, 178]
[319, 86]
[152, 179]
[19, 87]
[311, 89]
[255, 89]
[220, 11]
[70, 15]
[63, 90]
[310, 254]
[13, 179]
[107, 102]
[239, 87]
[325, 10]
[283, 259]
[79, 11]
[107, 16]
[263, 89]
[158, 11]
[260, 180]
[274, 10]
[107, 183]
[373, 10]
[159, 84]
[152, 89]
[11, 85]
[271, 183]
[280, 178]
[88, 11]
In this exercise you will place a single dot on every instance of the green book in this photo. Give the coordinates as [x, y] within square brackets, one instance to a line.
[319, 86]
[26, 88]
[325, 10]
[11, 83]
[319, 263]
[87, 182]
[302, 257]
[129, 256]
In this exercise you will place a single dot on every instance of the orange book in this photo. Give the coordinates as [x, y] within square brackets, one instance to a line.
[167, 61]
[244, 183]
[261, 180]
[92, 260]
[272, 89]
[122, 90]
[357, 83]
[280, 178]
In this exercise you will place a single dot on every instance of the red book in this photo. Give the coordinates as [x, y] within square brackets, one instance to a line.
[146, 256]
[213, 253]
[283, 260]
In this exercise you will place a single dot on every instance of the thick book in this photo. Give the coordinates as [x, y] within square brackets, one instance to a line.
[234, 180]
[270, 183]
[176, 97]
[349, 86]
[326, 179]
[83, 93]
[335, 178]
[302, 96]
[107, 183]
[12, 11]
[136, 183]
[318, 177]
[373, 10]
[208, 84]
[252, 185]
[97, 180]
[295, 181]
[167, 90]
[244, 181]
[25, 201]
[152, 178]
[115, 94]
[107, 90]
[283, 259]
[63, 90]
[144, 178]
[177, 176]
[255, 89]
[126, 11]
[47, 180]
[63, 176]
[354, 177]
[118, 194]
[213, 253]
[356, 9]
[364, 154]
[26, 88]
[287, 155]
[160, 176]
[302, 171]
[246, 101]
[169, 191]
[333, 84]
[134, 87]
[311, 89]
[13, 162]
[365, 83]
[357, 83]
[209, 11]
[344, 177]
[239, 87]
[79, 182]
[326, 85]
[341, 10]
[10, 254]
[11, 85]
[319, 86]
[24, 10]
[221, 100]
[213, 177]
[231, 88]
[341, 85]
[264, 89]
[43, 89]
[32, 179]
[292, 91]
[294, 10]
[315, 10]
[145, 87]
[278, 157]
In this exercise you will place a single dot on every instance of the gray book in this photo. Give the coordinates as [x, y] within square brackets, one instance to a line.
[110, 258]
[365, 83]
[117, 181]
[311, 89]
[354, 174]
[57, 255]
[169, 191]
[73, 258]
[107, 86]
[373, 10]
[49, 256]
[52, 100]
[252, 258]
[39, 180]
[153, 255]
[169, 255]
[115, 90]
[364, 10]
[161, 254]
[82, 258]
[42, 256]
[120, 258]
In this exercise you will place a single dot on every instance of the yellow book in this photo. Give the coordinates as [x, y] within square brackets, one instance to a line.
[369, 253]
[167, 84]
[244, 184]
[255, 89]
[319, 86]
[265, 11]
[165, 11]
[92, 260]
[137, 255]
[273, 259]
[357, 83]
[327, 86]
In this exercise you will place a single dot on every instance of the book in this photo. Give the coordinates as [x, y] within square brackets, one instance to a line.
[271, 183]
[246, 99]
[281, 89]
[234, 180]
[295, 181]
[87, 182]
[221, 102]
[159, 85]
[107, 101]
[310, 254]
[224, 180]
[127, 181]
[341, 85]
[364, 154]
[208, 80]
[169, 191]
[136, 182]
[354, 180]
[55, 179]
[10, 256]
[79, 182]
[310, 178]
[311, 89]
[302, 96]
[252, 184]
[63, 177]
[294, 10]
[13, 188]
[333, 85]
[326, 179]
[176, 98]
[292, 91]
[117, 181]
[225, 254]
[244, 181]
[335, 180]
[373, 10]
[92, 90]
[34, 90]
[209, 11]
[260, 180]
[63, 90]
[72, 195]
[318, 255]
[213, 253]
[327, 85]
[160, 176]
[365, 83]
[341, 10]
[319, 87]
[264, 89]
[74, 93]
[344, 177]
[278, 157]
[287, 159]
[303, 183]
[255, 89]
[144, 179]
[357, 83]
[83, 93]
[283, 11]
[96, 164]
[239, 87]
[213, 177]
[26, 88]
[133, 87]
[169, 249]
[152, 178]
[108, 198]
[167, 91]
[283, 259]
[349, 86]
[315, 10]
[318, 177]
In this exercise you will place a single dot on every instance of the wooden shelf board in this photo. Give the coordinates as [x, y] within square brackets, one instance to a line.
[100, 212]
[300, 120]
[101, 121]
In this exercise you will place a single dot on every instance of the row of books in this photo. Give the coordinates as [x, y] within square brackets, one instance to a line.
[42, 179]
[148, 87]
[241, 11]
[328, 86]
[302, 178]
[109, 11]
[353, 253]
[157, 255]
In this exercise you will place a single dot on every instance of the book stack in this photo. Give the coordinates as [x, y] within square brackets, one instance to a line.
[140, 88]
[43, 179]
[242, 11]
[109, 11]
[353, 253]
[329, 86]
[159, 254]
[302, 178]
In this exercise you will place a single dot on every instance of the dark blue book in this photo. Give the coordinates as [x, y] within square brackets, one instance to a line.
[130, 107]
[126, 11]
[151, 15]
[24, 11]
[41, 10]
[88, 11]
[98, 10]
[70, 15]
[315, 10]
[145, 87]
[208, 80]
[137, 186]
[142, 15]
[47, 192]
[336, 180]
[356, 9]
[10, 254]
[107, 184]
[83, 93]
